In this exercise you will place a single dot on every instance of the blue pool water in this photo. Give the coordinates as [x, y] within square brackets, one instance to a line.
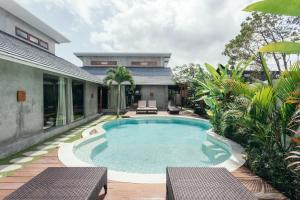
[149, 145]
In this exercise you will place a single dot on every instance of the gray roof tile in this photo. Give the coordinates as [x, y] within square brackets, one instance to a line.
[141, 75]
[16, 48]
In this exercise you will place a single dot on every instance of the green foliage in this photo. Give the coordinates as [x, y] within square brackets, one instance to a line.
[118, 75]
[188, 75]
[259, 30]
[281, 47]
[280, 7]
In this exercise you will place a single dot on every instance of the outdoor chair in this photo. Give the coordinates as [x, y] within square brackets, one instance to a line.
[67, 183]
[204, 183]
[173, 109]
[142, 107]
[152, 106]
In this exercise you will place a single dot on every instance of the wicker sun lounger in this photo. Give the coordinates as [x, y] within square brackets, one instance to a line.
[204, 183]
[68, 183]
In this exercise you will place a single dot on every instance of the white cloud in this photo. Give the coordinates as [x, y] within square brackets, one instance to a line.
[193, 30]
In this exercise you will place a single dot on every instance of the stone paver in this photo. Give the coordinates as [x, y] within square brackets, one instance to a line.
[35, 153]
[9, 168]
[46, 147]
[61, 139]
[21, 160]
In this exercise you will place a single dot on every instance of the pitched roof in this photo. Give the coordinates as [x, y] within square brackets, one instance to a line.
[113, 54]
[141, 75]
[33, 56]
[15, 9]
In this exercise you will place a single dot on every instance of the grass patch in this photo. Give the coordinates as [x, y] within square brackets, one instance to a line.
[77, 136]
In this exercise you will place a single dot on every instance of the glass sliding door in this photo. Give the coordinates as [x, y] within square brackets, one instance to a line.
[78, 99]
[50, 100]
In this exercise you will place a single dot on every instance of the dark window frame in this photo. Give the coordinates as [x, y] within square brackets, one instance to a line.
[144, 63]
[107, 63]
[28, 38]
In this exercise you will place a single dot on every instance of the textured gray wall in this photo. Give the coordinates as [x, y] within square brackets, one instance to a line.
[21, 124]
[91, 99]
[20, 120]
[8, 23]
[160, 94]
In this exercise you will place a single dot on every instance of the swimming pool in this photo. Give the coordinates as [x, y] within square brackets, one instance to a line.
[147, 145]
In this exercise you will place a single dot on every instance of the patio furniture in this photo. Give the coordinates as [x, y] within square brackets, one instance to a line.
[173, 109]
[142, 107]
[204, 183]
[152, 106]
[64, 183]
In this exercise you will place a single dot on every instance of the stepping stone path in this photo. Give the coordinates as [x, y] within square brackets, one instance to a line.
[8, 168]
[53, 143]
[46, 147]
[21, 160]
[35, 153]
[62, 139]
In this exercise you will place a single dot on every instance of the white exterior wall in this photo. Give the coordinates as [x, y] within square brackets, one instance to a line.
[9, 22]
[122, 60]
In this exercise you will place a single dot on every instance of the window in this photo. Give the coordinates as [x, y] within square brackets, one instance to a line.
[104, 63]
[43, 44]
[78, 99]
[21, 33]
[31, 38]
[50, 100]
[144, 63]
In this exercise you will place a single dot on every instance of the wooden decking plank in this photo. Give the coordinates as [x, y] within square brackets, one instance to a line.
[118, 190]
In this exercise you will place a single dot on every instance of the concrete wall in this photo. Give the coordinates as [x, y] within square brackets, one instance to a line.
[21, 124]
[91, 99]
[9, 22]
[20, 120]
[159, 92]
[123, 60]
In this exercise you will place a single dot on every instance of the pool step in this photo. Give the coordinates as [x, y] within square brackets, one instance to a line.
[89, 147]
[213, 152]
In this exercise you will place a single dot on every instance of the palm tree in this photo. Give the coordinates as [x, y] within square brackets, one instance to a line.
[118, 75]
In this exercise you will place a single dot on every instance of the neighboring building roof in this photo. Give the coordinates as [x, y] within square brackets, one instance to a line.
[20, 12]
[12, 48]
[105, 54]
[141, 75]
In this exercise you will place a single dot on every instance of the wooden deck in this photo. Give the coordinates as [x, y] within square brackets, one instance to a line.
[117, 190]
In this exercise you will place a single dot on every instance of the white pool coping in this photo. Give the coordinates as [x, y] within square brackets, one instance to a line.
[67, 157]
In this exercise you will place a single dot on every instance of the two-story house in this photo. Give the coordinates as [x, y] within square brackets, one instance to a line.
[152, 77]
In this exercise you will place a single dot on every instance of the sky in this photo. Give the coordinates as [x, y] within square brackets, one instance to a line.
[194, 31]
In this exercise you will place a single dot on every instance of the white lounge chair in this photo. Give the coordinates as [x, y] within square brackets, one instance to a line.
[142, 107]
[152, 106]
[173, 109]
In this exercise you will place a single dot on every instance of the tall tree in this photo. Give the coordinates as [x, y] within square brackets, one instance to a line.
[261, 29]
[186, 75]
[118, 75]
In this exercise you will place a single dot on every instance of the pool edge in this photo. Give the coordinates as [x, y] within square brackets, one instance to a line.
[68, 158]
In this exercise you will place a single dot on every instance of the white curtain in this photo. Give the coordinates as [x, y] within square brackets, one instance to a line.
[70, 101]
[113, 97]
[61, 118]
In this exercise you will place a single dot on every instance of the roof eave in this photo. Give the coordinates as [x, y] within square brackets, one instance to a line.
[18, 60]
[23, 14]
